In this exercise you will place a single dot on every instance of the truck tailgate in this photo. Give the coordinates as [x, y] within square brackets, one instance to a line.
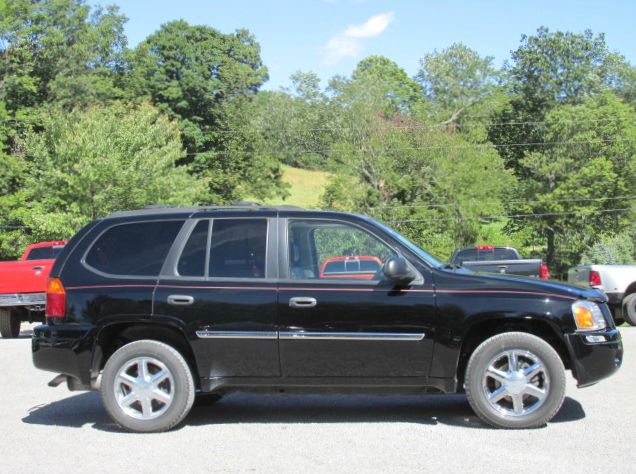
[526, 267]
[28, 276]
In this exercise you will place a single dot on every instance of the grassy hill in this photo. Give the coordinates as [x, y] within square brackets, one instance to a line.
[306, 187]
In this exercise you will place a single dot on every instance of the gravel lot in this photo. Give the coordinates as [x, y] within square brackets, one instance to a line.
[54, 430]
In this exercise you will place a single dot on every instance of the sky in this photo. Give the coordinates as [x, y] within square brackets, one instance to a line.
[330, 37]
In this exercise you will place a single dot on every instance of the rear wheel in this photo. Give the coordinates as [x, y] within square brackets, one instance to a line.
[515, 380]
[147, 386]
[629, 309]
[9, 323]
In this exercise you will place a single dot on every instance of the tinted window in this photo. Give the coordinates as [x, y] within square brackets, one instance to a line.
[41, 253]
[238, 248]
[329, 249]
[133, 249]
[481, 255]
[192, 260]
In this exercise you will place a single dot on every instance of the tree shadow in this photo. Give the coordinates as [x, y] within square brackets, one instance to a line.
[454, 410]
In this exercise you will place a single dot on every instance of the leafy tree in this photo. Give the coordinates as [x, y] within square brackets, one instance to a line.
[56, 50]
[431, 185]
[207, 80]
[549, 69]
[612, 250]
[457, 80]
[297, 124]
[582, 188]
[87, 164]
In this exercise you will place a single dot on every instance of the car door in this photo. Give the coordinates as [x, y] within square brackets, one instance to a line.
[348, 323]
[219, 283]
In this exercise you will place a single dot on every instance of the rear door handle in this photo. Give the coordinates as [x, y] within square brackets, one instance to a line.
[38, 267]
[180, 300]
[302, 302]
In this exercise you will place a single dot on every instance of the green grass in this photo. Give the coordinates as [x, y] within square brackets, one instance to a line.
[306, 188]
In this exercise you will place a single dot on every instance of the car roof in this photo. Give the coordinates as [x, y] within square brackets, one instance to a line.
[240, 208]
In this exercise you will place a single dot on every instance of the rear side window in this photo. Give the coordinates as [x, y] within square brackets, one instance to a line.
[238, 248]
[137, 249]
[479, 255]
[43, 253]
[192, 260]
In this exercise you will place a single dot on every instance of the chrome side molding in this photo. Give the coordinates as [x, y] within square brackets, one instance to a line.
[207, 334]
[352, 336]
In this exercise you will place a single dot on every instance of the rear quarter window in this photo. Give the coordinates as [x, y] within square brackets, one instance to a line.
[135, 249]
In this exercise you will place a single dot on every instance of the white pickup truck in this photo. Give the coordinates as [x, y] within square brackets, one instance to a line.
[617, 281]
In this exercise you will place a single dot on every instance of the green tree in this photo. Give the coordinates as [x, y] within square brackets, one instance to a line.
[207, 80]
[457, 81]
[58, 51]
[297, 123]
[578, 190]
[547, 70]
[87, 164]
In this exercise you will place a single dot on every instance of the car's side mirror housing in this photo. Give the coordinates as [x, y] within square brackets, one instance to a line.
[398, 270]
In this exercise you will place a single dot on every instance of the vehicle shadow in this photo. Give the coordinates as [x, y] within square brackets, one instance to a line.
[454, 410]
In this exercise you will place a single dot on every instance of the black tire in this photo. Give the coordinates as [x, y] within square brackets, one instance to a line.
[123, 399]
[9, 323]
[629, 309]
[498, 352]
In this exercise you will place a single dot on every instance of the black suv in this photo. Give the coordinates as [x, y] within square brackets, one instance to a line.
[157, 306]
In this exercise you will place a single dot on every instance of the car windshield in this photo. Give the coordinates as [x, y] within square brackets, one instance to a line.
[427, 257]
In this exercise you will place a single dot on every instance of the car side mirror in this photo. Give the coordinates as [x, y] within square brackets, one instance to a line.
[398, 270]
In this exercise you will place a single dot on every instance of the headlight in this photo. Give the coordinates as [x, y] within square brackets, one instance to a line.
[588, 316]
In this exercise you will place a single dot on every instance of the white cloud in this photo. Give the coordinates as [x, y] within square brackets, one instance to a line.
[373, 27]
[349, 42]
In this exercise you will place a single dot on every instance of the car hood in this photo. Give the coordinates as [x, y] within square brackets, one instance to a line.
[520, 283]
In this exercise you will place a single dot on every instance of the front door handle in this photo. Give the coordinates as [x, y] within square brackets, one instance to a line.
[180, 300]
[38, 268]
[302, 302]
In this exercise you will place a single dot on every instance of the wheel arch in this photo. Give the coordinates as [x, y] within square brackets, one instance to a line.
[631, 288]
[115, 335]
[482, 330]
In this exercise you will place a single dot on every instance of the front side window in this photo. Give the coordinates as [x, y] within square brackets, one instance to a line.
[323, 250]
[238, 248]
[136, 249]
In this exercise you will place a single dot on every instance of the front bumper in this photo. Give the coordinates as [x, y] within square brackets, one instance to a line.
[594, 361]
[65, 349]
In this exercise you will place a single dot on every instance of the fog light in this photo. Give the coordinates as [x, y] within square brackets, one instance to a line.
[595, 338]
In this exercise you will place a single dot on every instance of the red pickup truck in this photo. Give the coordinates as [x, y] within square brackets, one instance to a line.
[23, 286]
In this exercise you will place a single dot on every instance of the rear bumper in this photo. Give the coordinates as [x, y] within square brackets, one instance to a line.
[22, 299]
[66, 349]
[594, 361]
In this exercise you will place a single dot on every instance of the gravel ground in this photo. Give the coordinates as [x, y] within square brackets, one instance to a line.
[54, 430]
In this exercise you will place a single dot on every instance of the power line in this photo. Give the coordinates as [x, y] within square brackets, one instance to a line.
[427, 147]
[427, 206]
[518, 216]
[354, 128]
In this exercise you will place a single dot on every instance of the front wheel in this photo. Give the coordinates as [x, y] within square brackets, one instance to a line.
[629, 309]
[9, 323]
[515, 380]
[147, 386]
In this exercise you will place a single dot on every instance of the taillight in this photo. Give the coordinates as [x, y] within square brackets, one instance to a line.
[594, 278]
[544, 273]
[55, 298]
